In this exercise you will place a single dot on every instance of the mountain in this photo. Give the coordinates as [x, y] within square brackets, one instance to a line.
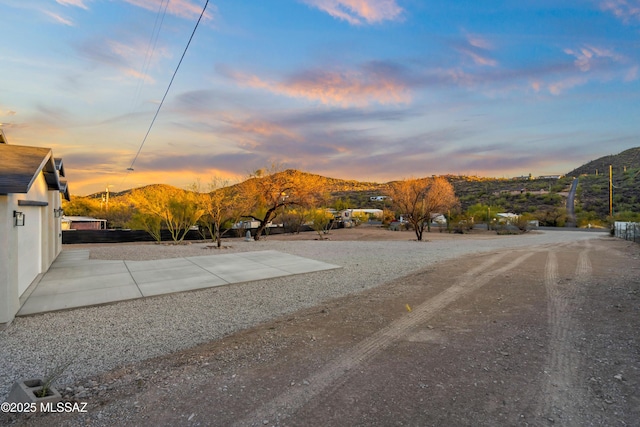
[521, 195]
[628, 159]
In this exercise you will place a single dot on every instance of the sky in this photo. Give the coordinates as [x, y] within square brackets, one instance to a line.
[371, 90]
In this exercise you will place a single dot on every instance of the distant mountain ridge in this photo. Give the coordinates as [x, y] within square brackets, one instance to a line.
[629, 159]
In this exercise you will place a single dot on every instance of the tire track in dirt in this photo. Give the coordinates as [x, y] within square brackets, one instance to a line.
[563, 394]
[287, 403]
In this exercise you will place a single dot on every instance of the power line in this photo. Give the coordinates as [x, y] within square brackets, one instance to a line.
[130, 168]
[151, 48]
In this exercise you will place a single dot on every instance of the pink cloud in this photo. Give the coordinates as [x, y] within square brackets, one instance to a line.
[593, 63]
[181, 8]
[77, 3]
[357, 11]
[587, 56]
[261, 128]
[625, 10]
[556, 88]
[479, 59]
[476, 48]
[335, 88]
[59, 19]
[479, 42]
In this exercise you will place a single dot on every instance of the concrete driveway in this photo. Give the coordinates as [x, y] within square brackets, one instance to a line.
[76, 281]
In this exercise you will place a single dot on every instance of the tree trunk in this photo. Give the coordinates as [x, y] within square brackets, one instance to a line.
[263, 223]
[419, 228]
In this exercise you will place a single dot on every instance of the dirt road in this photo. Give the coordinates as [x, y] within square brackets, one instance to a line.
[543, 336]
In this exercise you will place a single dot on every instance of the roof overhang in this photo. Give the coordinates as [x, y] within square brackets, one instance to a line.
[20, 166]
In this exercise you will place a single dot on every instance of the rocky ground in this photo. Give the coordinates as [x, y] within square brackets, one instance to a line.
[542, 335]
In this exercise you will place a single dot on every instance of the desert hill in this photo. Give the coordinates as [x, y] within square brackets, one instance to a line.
[520, 195]
[628, 159]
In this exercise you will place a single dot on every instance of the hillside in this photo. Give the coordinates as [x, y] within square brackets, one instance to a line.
[593, 189]
[628, 159]
[538, 197]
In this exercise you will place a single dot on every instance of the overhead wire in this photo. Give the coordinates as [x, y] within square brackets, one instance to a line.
[155, 116]
[151, 48]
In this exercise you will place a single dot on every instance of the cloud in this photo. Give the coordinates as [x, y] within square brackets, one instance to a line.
[77, 3]
[592, 63]
[333, 87]
[477, 48]
[588, 56]
[356, 12]
[625, 10]
[59, 19]
[120, 55]
[181, 8]
[631, 74]
[262, 128]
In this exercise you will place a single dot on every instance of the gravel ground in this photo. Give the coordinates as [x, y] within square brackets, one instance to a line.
[97, 339]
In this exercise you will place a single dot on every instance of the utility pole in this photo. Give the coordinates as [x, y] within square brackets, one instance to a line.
[610, 193]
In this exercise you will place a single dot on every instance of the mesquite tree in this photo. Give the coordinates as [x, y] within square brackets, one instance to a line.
[274, 190]
[418, 199]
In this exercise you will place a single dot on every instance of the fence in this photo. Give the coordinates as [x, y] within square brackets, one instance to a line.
[121, 236]
[627, 230]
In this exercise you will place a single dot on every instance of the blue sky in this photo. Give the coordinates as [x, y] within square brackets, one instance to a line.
[373, 90]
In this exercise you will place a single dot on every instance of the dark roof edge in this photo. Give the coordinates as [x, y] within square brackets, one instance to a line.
[47, 160]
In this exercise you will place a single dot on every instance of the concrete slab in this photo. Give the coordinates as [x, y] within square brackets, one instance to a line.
[76, 281]
[68, 258]
[231, 260]
[174, 273]
[186, 284]
[79, 284]
[247, 275]
[163, 264]
[86, 269]
[43, 303]
[72, 255]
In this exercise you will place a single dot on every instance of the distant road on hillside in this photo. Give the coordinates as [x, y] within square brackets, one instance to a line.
[571, 211]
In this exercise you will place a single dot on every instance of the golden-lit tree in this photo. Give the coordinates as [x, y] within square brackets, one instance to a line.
[221, 204]
[272, 190]
[150, 223]
[321, 221]
[294, 219]
[117, 213]
[82, 206]
[418, 199]
[178, 209]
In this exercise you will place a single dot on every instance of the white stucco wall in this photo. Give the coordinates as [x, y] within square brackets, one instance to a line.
[9, 298]
[31, 246]
[26, 250]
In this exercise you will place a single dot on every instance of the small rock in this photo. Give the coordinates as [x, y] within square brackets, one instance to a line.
[618, 377]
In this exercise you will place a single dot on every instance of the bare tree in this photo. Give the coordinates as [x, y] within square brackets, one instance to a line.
[418, 199]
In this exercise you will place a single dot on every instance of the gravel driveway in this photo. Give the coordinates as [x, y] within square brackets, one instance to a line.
[98, 339]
